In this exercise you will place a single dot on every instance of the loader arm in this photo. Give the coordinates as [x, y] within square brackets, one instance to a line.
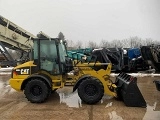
[88, 74]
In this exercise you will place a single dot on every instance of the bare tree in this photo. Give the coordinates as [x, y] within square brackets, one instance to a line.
[105, 44]
[125, 43]
[116, 43]
[149, 41]
[92, 44]
[70, 44]
[78, 44]
[132, 42]
[157, 42]
[135, 41]
[61, 36]
[102, 43]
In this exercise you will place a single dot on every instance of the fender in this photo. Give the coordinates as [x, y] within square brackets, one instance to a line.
[45, 77]
[79, 81]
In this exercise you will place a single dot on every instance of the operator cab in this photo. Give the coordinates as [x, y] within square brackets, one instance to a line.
[50, 55]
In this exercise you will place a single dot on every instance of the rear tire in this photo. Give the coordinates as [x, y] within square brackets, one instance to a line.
[36, 91]
[91, 90]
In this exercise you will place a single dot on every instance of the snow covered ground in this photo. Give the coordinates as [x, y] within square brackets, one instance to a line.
[5, 71]
[138, 74]
[9, 69]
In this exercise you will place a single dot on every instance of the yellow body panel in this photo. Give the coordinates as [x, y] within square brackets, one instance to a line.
[17, 80]
[16, 83]
[27, 64]
[102, 75]
[59, 81]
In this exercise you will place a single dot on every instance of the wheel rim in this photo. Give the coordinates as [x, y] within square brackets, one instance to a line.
[36, 90]
[91, 90]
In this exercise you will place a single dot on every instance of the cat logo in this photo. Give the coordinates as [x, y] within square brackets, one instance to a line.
[24, 71]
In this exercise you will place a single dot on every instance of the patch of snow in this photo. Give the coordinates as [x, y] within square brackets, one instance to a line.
[5, 73]
[5, 89]
[113, 116]
[106, 97]
[12, 90]
[151, 114]
[9, 69]
[138, 74]
[72, 100]
[108, 105]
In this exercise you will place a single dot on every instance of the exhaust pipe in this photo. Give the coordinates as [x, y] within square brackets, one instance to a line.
[128, 91]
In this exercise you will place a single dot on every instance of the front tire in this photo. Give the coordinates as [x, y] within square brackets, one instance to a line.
[91, 90]
[36, 91]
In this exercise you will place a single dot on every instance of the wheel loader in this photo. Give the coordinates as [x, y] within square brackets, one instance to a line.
[50, 69]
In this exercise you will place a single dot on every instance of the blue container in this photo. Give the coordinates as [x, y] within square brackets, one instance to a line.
[134, 53]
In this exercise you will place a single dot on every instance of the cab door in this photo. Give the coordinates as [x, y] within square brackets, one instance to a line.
[45, 51]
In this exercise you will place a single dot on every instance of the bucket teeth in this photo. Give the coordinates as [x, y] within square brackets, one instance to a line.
[128, 91]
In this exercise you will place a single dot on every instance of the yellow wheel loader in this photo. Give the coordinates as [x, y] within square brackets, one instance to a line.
[49, 70]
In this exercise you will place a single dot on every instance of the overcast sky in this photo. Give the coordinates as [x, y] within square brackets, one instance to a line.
[86, 20]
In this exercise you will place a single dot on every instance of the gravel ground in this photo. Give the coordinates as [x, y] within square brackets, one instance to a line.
[64, 105]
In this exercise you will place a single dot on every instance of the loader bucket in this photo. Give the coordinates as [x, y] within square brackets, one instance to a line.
[128, 91]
